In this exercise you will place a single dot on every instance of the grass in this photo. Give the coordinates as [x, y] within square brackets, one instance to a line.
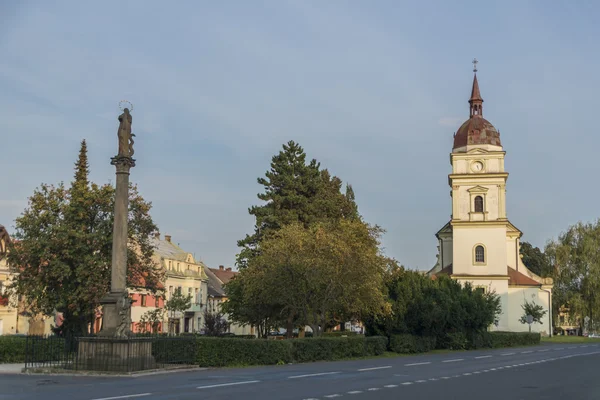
[570, 339]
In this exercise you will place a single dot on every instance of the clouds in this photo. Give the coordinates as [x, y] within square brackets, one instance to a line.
[371, 91]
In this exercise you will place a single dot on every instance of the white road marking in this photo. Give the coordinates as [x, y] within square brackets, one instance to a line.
[486, 370]
[584, 346]
[454, 360]
[433, 379]
[355, 392]
[372, 389]
[414, 364]
[572, 347]
[559, 348]
[540, 351]
[226, 384]
[445, 377]
[507, 354]
[526, 352]
[374, 368]
[492, 369]
[309, 375]
[467, 373]
[421, 381]
[477, 372]
[130, 396]
[480, 357]
[391, 386]
[406, 383]
[331, 396]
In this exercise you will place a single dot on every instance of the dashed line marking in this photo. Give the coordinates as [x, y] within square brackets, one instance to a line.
[453, 360]
[355, 392]
[331, 396]
[131, 396]
[309, 375]
[477, 372]
[486, 370]
[226, 384]
[372, 389]
[391, 386]
[374, 368]
[527, 352]
[406, 383]
[507, 354]
[421, 381]
[540, 351]
[480, 357]
[467, 373]
[445, 377]
[415, 364]
[433, 379]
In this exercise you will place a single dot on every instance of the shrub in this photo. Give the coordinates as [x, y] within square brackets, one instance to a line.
[454, 341]
[406, 343]
[375, 345]
[328, 348]
[219, 352]
[339, 333]
[12, 349]
[510, 339]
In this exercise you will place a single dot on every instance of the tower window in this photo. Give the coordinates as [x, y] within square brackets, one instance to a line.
[479, 254]
[478, 204]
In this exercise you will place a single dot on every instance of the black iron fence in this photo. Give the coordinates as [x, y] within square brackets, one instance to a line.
[109, 354]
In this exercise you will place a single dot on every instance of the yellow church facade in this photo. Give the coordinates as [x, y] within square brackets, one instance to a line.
[479, 244]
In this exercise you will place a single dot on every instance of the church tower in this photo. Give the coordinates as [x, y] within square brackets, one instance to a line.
[479, 244]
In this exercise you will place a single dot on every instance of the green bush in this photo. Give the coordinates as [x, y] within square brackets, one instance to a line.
[339, 333]
[510, 339]
[406, 344]
[181, 349]
[375, 345]
[328, 348]
[220, 352]
[12, 349]
[454, 341]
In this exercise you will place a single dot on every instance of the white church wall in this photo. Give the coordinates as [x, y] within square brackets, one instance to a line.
[465, 240]
[517, 297]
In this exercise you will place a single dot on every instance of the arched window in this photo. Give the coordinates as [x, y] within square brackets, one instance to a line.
[479, 254]
[478, 204]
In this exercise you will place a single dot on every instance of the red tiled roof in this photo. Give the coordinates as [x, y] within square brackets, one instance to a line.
[224, 275]
[515, 278]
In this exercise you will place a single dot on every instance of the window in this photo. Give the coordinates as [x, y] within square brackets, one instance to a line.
[478, 204]
[178, 269]
[198, 299]
[479, 254]
[170, 265]
[143, 300]
[480, 290]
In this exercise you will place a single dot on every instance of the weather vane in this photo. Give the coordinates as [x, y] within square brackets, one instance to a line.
[474, 64]
[123, 104]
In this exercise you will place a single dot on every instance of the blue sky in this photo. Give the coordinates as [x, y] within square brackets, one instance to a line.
[373, 90]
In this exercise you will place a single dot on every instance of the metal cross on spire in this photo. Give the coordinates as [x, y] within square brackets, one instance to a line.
[474, 64]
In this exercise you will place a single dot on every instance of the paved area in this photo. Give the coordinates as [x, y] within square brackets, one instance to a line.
[541, 372]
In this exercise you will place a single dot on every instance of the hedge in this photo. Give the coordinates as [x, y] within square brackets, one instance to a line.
[216, 352]
[12, 349]
[407, 344]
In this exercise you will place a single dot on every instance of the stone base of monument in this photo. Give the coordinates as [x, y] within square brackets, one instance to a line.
[115, 354]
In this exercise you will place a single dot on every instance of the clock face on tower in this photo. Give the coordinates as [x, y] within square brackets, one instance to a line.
[477, 166]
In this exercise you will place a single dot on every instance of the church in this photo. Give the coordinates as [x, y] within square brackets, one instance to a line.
[479, 244]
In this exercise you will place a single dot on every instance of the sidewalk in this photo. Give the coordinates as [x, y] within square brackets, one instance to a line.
[11, 368]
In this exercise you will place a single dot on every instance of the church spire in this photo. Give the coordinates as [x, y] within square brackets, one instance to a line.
[476, 102]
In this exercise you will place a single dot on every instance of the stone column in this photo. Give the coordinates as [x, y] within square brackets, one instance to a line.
[116, 305]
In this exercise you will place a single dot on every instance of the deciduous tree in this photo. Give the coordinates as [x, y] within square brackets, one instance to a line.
[63, 245]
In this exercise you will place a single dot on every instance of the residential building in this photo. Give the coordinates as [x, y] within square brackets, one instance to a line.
[479, 244]
[13, 316]
[182, 273]
[216, 296]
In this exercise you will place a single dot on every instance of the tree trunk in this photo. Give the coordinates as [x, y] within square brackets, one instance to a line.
[301, 332]
[289, 327]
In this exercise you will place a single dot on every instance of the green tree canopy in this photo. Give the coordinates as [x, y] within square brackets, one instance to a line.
[536, 260]
[63, 247]
[317, 276]
[295, 192]
[575, 257]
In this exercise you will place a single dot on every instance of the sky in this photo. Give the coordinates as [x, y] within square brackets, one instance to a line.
[374, 90]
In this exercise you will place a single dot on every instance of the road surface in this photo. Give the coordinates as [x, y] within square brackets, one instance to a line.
[541, 372]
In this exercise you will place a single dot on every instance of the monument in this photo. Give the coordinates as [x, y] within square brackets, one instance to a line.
[114, 349]
[116, 305]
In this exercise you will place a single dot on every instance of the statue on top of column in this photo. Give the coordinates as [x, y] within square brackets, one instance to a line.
[125, 135]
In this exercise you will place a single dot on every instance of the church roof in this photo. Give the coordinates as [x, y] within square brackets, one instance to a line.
[515, 278]
[476, 130]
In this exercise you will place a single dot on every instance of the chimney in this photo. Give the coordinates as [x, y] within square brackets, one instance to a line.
[221, 268]
[228, 269]
[168, 238]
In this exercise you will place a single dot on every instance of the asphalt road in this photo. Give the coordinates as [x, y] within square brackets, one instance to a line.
[541, 372]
